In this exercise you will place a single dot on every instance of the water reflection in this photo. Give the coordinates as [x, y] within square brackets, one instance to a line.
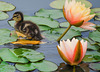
[67, 68]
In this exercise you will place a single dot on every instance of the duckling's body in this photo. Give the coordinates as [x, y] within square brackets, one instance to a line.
[28, 28]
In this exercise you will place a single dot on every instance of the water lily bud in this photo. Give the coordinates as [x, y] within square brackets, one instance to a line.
[72, 52]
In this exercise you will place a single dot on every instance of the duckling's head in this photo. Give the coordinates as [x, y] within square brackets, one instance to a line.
[17, 16]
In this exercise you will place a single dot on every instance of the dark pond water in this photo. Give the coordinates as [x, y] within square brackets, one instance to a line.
[29, 7]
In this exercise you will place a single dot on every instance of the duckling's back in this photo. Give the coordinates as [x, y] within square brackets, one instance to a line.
[30, 29]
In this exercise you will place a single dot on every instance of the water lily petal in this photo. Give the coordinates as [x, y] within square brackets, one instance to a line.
[63, 55]
[87, 18]
[78, 53]
[88, 26]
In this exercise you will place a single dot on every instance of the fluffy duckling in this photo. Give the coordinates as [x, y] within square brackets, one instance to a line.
[28, 28]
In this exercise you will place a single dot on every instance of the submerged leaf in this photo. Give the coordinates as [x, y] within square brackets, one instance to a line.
[7, 55]
[5, 36]
[55, 14]
[5, 67]
[3, 15]
[6, 6]
[58, 4]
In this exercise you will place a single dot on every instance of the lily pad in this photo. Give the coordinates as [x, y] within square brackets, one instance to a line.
[7, 55]
[93, 47]
[58, 4]
[95, 11]
[5, 67]
[95, 35]
[57, 32]
[43, 28]
[45, 66]
[66, 24]
[5, 36]
[25, 67]
[55, 14]
[89, 58]
[30, 54]
[94, 66]
[3, 15]
[4, 6]
[39, 21]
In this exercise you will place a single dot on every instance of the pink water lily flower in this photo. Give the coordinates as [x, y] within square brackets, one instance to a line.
[72, 52]
[78, 15]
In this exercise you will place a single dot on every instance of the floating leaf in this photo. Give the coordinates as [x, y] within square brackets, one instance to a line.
[57, 32]
[5, 36]
[93, 47]
[7, 55]
[95, 35]
[43, 28]
[89, 58]
[71, 33]
[96, 11]
[94, 66]
[25, 67]
[66, 24]
[58, 4]
[6, 6]
[39, 21]
[3, 15]
[45, 66]
[4, 67]
[30, 54]
[55, 14]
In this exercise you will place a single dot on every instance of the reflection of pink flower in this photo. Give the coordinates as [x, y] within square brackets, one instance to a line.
[78, 15]
[73, 51]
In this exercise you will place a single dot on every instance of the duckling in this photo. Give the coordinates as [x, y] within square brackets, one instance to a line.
[30, 29]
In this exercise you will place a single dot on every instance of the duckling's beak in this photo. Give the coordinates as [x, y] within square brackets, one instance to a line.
[11, 19]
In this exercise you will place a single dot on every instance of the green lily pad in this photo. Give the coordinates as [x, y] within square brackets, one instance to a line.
[31, 55]
[94, 66]
[5, 36]
[95, 35]
[6, 6]
[25, 67]
[43, 28]
[93, 53]
[57, 32]
[39, 21]
[3, 15]
[93, 47]
[89, 58]
[5, 67]
[55, 14]
[95, 11]
[7, 55]
[45, 66]
[66, 24]
[58, 4]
